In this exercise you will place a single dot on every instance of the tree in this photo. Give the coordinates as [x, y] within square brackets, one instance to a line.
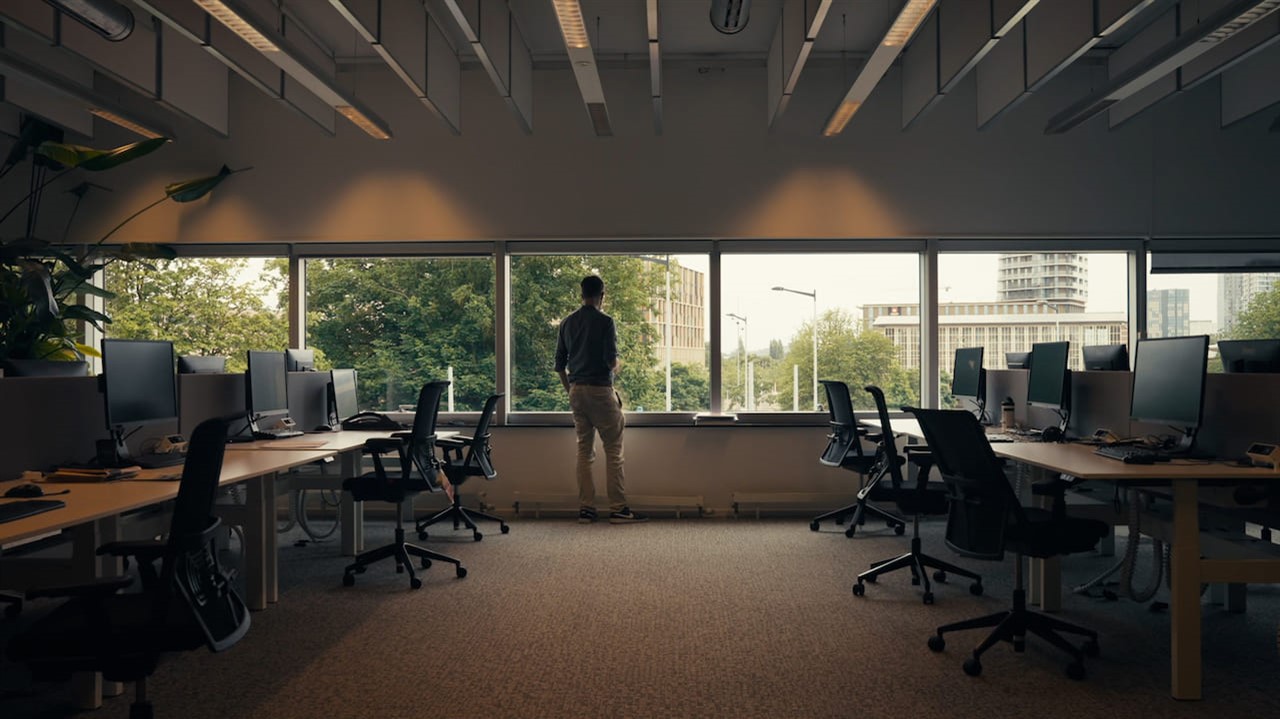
[690, 387]
[203, 306]
[775, 349]
[1261, 319]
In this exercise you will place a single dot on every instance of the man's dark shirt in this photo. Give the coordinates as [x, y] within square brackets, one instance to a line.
[587, 347]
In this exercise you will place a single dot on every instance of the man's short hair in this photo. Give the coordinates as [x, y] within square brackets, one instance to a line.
[592, 286]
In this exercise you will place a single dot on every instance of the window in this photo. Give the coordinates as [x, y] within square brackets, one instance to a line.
[402, 322]
[658, 302]
[205, 305]
[1005, 302]
[866, 307]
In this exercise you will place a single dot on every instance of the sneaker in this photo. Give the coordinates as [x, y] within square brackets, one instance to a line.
[586, 515]
[626, 516]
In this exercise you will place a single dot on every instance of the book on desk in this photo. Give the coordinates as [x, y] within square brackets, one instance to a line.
[91, 474]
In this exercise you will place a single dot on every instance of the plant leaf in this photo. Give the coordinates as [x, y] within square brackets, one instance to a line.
[88, 158]
[87, 350]
[80, 312]
[38, 283]
[191, 190]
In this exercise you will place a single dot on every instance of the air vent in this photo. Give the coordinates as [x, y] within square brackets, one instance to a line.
[729, 16]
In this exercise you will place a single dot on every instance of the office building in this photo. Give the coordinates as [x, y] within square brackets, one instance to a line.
[1168, 313]
[687, 319]
[1236, 292]
[1060, 279]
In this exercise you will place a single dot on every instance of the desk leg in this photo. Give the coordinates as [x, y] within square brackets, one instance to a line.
[351, 512]
[1185, 594]
[1045, 574]
[88, 688]
[272, 536]
[259, 525]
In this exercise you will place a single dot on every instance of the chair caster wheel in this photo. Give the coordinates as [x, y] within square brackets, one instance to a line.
[477, 536]
[1075, 670]
[461, 571]
[899, 529]
[859, 589]
[850, 531]
[505, 529]
[348, 580]
[422, 535]
[928, 597]
[1091, 648]
[425, 563]
[937, 643]
[813, 526]
[972, 667]
[939, 576]
[415, 583]
[976, 589]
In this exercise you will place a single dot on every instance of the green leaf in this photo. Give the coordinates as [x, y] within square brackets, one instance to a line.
[80, 312]
[93, 160]
[191, 190]
[38, 283]
[87, 350]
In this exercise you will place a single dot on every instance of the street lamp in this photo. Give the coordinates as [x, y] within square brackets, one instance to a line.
[814, 295]
[742, 326]
[1057, 326]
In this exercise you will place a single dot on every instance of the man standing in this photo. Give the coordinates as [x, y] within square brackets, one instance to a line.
[586, 359]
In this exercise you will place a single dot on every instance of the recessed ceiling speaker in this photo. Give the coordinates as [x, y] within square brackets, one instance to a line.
[108, 18]
[729, 16]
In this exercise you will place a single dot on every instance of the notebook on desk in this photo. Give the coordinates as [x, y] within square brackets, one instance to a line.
[10, 511]
[91, 474]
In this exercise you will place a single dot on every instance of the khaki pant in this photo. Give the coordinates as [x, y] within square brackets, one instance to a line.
[598, 409]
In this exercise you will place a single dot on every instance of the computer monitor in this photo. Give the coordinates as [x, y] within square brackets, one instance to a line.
[1017, 360]
[297, 360]
[343, 402]
[1111, 358]
[1168, 383]
[140, 387]
[968, 379]
[1250, 355]
[195, 364]
[266, 385]
[1049, 382]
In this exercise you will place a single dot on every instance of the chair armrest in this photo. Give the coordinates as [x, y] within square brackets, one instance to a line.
[145, 550]
[102, 588]
[454, 441]
[1050, 488]
[383, 445]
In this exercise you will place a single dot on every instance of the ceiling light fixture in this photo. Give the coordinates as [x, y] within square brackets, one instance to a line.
[909, 19]
[238, 25]
[126, 123]
[569, 13]
[362, 121]
[730, 16]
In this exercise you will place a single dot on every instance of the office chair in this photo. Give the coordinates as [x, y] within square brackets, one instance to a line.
[418, 467]
[986, 519]
[844, 450]
[458, 466]
[915, 501]
[190, 602]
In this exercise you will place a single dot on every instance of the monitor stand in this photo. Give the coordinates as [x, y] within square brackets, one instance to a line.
[114, 453]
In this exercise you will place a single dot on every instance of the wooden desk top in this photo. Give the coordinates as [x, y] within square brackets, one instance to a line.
[90, 501]
[333, 442]
[1078, 460]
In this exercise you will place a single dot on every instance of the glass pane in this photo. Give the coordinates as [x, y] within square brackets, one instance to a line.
[1007, 302]
[771, 303]
[662, 354]
[402, 322]
[1235, 306]
[214, 306]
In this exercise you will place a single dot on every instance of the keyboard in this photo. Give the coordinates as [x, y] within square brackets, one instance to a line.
[276, 433]
[1000, 437]
[9, 511]
[1130, 454]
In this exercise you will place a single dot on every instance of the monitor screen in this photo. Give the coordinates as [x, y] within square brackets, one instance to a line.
[1168, 380]
[1017, 360]
[1106, 358]
[1046, 387]
[966, 379]
[345, 402]
[297, 360]
[139, 382]
[195, 364]
[265, 383]
[1250, 355]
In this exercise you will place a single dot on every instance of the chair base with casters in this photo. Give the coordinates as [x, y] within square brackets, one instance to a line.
[1012, 625]
[461, 517]
[403, 552]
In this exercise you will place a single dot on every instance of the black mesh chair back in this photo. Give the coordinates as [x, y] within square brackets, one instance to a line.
[844, 429]
[479, 450]
[200, 473]
[982, 501]
[888, 447]
[421, 446]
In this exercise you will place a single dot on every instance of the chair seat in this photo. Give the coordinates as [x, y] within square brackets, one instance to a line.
[1043, 536]
[910, 500]
[73, 637]
[372, 488]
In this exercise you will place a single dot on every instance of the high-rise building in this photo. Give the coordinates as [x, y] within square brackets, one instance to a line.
[1168, 313]
[1060, 279]
[687, 323]
[1236, 292]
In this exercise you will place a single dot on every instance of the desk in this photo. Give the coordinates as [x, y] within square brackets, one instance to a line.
[1188, 569]
[347, 445]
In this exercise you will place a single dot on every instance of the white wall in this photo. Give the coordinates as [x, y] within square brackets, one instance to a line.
[716, 172]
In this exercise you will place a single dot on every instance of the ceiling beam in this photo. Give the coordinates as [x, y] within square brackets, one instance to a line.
[577, 44]
[793, 38]
[499, 45]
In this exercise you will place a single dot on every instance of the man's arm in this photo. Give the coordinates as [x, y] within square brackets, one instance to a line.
[564, 378]
[562, 358]
[611, 347]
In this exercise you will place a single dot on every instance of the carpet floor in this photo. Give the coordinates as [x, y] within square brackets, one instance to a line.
[675, 618]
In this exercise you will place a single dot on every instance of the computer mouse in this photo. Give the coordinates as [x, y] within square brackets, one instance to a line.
[1051, 434]
[323, 428]
[25, 490]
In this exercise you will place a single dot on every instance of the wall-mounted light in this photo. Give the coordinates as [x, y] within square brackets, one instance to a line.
[569, 13]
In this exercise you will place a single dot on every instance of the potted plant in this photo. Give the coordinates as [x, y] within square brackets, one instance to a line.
[44, 286]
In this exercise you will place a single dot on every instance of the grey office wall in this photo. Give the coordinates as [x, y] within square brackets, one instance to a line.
[715, 172]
